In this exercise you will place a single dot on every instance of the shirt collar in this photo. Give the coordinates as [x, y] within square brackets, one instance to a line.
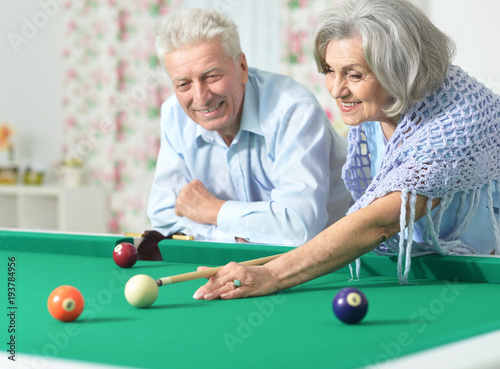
[250, 120]
[203, 135]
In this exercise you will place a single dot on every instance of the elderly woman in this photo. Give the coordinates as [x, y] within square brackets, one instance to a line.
[424, 150]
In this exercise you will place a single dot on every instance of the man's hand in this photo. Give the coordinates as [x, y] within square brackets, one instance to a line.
[198, 204]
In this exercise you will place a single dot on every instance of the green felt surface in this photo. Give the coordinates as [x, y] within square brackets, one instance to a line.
[293, 329]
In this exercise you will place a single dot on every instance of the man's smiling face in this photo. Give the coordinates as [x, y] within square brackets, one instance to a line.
[209, 85]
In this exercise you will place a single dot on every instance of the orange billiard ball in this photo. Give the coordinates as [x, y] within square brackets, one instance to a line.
[65, 303]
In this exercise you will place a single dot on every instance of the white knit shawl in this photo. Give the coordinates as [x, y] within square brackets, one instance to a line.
[448, 143]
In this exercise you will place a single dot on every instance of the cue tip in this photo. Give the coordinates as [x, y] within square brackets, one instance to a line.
[163, 281]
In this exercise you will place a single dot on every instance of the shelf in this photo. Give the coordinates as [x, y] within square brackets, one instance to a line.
[79, 209]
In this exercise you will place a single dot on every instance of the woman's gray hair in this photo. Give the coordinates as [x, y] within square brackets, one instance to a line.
[408, 54]
[192, 26]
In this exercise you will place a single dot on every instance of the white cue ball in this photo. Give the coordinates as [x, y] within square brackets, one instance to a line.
[141, 291]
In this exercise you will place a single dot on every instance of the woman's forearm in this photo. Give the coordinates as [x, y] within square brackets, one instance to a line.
[334, 248]
[344, 241]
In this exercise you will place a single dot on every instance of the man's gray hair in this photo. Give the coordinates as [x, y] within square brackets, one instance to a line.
[192, 26]
[408, 54]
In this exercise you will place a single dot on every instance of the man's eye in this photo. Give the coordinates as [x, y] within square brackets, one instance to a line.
[182, 86]
[213, 77]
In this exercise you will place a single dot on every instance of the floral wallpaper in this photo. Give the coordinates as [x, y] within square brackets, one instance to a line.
[297, 60]
[113, 88]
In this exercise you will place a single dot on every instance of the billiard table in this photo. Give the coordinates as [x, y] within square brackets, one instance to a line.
[447, 317]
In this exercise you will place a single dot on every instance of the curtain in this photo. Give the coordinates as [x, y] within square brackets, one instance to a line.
[112, 91]
[297, 60]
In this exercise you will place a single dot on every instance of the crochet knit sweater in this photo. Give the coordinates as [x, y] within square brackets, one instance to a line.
[447, 144]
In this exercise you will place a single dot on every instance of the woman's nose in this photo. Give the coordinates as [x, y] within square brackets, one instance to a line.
[337, 87]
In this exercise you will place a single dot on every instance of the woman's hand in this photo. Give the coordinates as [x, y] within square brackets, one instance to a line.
[254, 281]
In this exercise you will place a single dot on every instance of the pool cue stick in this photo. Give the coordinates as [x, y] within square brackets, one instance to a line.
[209, 272]
[182, 237]
[133, 235]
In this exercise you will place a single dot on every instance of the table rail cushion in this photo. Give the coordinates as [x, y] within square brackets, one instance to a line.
[61, 243]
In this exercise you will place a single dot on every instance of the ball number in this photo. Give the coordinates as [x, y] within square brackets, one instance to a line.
[350, 305]
[354, 299]
[69, 304]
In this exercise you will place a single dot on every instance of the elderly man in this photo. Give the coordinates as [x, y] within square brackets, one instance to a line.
[245, 155]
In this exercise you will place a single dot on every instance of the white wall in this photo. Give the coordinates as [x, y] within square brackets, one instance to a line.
[475, 28]
[258, 25]
[30, 87]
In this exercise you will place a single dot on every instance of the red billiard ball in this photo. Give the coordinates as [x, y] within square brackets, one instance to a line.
[350, 305]
[65, 303]
[125, 255]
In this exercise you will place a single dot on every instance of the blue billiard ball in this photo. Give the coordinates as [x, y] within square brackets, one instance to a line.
[350, 305]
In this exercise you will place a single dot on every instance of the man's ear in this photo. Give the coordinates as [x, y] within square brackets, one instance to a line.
[244, 68]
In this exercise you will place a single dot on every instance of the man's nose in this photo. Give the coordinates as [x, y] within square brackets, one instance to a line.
[202, 94]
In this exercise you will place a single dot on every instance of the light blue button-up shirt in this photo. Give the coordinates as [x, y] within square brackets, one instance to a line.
[281, 175]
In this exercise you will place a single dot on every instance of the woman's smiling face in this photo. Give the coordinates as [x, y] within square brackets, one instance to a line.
[357, 91]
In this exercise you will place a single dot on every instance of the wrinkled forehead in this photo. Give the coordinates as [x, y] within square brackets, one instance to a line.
[197, 59]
